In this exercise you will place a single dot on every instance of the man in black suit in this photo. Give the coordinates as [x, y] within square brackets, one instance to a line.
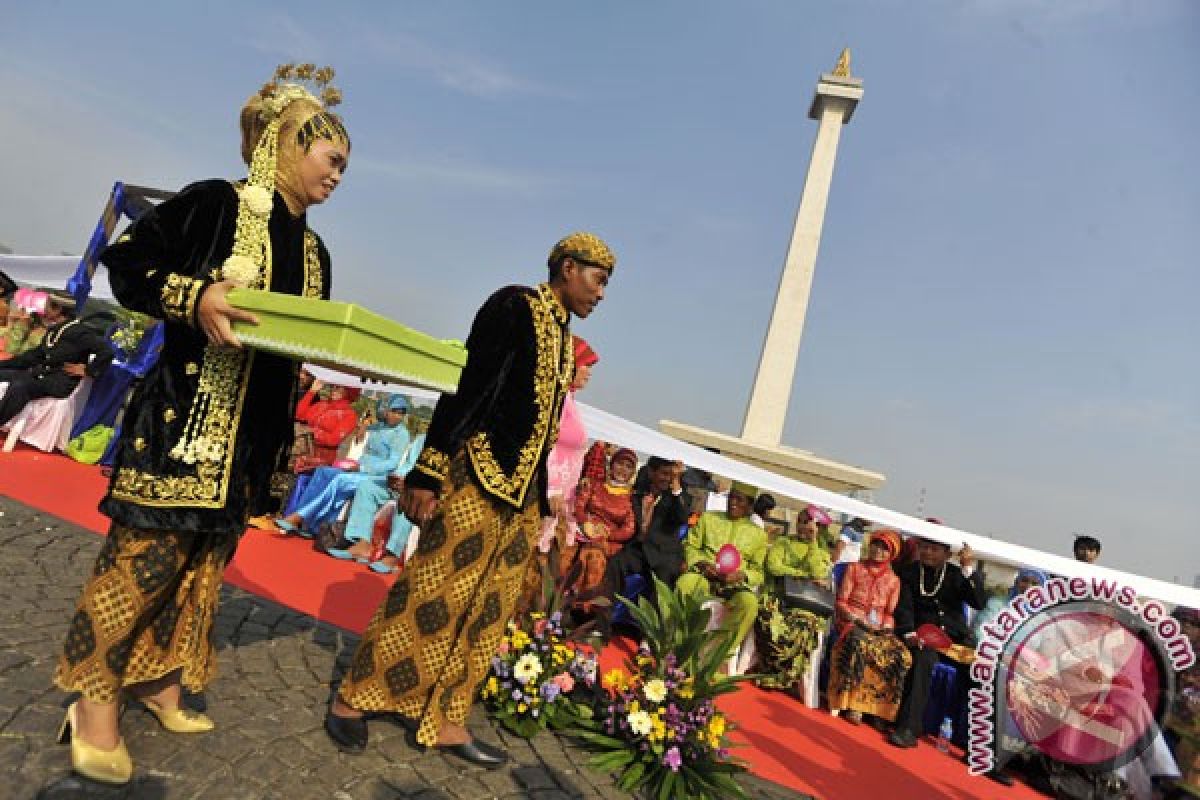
[55, 367]
[659, 511]
[932, 591]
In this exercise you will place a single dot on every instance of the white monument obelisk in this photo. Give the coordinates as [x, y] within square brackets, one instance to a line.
[760, 443]
[833, 104]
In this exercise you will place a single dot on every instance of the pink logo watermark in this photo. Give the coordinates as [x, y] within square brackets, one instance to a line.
[1079, 670]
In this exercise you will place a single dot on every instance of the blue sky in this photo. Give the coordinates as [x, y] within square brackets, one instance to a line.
[1002, 313]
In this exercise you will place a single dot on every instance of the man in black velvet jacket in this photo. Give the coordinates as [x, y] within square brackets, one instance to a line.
[477, 492]
[55, 367]
[932, 591]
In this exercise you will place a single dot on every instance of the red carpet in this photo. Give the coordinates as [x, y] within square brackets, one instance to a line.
[783, 741]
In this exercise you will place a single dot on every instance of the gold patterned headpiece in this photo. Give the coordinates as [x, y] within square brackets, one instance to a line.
[584, 247]
[287, 86]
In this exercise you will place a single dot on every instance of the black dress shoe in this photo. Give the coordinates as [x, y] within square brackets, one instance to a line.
[408, 723]
[1000, 777]
[902, 738]
[481, 754]
[878, 723]
[348, 733]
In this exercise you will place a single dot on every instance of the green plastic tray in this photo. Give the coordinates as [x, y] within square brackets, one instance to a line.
[347, 337]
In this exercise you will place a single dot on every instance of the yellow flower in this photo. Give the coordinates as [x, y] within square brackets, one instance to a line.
[522, 708]
[519, 640]
[716, 728]
[655, 690]
[615, 680]
[493, 686]
[687, 689]
[658, 728]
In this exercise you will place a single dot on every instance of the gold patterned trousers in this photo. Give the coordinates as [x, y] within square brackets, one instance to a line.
[146, 611]
[430, 643]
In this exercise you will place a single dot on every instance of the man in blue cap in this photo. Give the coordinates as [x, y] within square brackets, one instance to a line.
[330, 487]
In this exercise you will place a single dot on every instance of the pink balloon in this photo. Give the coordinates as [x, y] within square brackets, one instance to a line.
[729, 559]
[345, 463]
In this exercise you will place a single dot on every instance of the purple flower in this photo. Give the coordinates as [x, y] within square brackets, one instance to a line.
[672, 759]
[550, 691]
[516, 695]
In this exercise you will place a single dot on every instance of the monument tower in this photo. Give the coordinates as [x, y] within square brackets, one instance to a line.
[833, 103]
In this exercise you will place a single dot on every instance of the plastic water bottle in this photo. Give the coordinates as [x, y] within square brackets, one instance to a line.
[945, 733]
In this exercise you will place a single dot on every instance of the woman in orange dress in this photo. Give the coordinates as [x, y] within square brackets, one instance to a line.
[868, 663]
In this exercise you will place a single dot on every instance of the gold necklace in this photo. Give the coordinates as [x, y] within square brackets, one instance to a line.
[941, 577]
[53, 337]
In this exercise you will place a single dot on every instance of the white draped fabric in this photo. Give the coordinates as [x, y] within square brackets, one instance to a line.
[52, 272]
[611, 428]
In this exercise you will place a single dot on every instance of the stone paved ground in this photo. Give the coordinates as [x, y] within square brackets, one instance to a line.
[276, 670]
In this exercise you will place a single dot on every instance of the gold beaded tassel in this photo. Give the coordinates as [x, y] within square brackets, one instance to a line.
[210, 430]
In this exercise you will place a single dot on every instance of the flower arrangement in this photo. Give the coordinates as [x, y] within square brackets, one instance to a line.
[128, 334]
[538, 679]
[656, 722]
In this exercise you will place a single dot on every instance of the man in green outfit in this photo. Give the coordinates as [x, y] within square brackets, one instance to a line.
[737, 589]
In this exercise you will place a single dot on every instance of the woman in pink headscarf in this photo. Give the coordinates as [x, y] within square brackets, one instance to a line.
[563, 468]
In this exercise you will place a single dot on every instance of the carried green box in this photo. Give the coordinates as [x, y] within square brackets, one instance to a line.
[347, 337]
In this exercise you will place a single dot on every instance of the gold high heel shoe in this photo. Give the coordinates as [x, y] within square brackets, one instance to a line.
[104, 766]
[180, 720]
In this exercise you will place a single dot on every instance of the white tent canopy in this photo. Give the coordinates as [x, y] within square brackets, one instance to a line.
[52, 272]
[611, 428]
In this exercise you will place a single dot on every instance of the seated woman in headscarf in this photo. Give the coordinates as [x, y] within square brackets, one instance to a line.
[604, 512]
[868, 663]
[787, 637]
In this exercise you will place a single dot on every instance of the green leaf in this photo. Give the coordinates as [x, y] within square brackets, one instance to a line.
[610, 762]
[632, 775]
[668, 785]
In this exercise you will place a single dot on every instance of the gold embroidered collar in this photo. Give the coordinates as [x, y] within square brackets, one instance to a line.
[553, 304]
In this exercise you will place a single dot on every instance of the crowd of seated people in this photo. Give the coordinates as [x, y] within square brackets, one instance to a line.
[607, 530]
[887, 591]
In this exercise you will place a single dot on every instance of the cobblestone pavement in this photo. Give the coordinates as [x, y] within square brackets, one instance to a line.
[276, 669]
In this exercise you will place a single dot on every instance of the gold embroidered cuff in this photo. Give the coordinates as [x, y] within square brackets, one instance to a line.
[434, 463]
[179, 297]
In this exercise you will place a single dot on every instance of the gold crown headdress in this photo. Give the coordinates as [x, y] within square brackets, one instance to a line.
[204, 440]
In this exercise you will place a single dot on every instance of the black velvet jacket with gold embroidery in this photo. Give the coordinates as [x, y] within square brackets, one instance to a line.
[506, 411]
[160, 266]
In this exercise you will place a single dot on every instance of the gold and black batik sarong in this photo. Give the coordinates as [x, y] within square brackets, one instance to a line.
[146, 611]
[430, 643]
[867, 671]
